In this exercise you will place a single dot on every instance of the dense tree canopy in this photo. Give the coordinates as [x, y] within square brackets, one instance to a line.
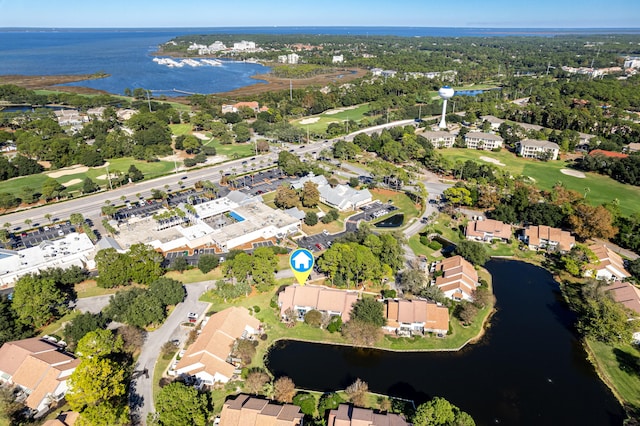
[180, 405]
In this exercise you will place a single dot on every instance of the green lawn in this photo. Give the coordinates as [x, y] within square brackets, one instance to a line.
[619, 365]
[97, 174]
[400, 200]
[233, 150]
[324, 119]
[195, 275]
[180, 129]
[546, 174]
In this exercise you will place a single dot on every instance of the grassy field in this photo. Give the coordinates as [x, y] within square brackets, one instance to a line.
[320, 126]
[237, 150]
[97, 174]
[400, 200]
[619, 366]
[180, 129]
[601, 188]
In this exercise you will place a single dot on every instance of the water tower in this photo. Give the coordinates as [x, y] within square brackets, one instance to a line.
[445, 93]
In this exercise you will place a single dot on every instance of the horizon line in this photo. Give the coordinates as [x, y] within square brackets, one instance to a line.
[322, 26]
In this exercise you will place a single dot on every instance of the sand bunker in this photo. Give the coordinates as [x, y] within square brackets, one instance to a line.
[104, 177]
[68, 171]
[336, 111]
[310, 120]
[491, 160]
[573, 173]
[72, 182]
[201, 136]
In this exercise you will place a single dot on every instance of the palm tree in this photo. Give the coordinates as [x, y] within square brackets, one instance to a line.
[48, 216]
[28, 222]
[586, 191]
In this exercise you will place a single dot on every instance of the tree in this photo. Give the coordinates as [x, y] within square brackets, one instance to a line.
[10, 327]
[313, 318]
[361, 333]
[412, 280]
[245, 350]
[167, 291]
[89, 186]
[76, 219]
[284, 389]
[81, 325]
[310, 194]
[113, 268]
[256, 379]
[285, 197]
[438, 411]
[328, 401]
[38, 301]
[311, 218]
[145, 263]
[306, 402]
[180, 405]
[592, 222]
[458, 196]
[370, 311]
[472, 251]
[208, 262]
[357, 392]
[467, 312]
[180, 264]
[97, 386]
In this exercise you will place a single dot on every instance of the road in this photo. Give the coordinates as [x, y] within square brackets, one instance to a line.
[141, 389]
[90, 206]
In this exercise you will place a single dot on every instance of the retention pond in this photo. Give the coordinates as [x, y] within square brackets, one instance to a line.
[528, 369]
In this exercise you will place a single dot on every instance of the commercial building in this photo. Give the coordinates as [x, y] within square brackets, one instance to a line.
[208, 358]
[73, 249]
[342, 197]
[39, 368]
[532, 148]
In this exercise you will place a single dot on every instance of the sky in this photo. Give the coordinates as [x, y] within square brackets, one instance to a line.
[254, 13]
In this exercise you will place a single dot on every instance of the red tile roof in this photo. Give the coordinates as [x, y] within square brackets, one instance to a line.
[611, 154]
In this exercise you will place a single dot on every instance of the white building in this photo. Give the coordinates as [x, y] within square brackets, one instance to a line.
[440, 139]
[481, 140]
[73, 249]
[342, 197]
[244, 45]
[253, 220]
[532, 148]
[337, 59]
[632, 62]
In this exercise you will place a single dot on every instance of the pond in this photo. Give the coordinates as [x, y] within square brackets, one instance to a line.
[528, 369]
[472, 92]
[394, 221]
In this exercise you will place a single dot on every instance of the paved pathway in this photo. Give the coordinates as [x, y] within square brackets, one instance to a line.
[141, 390]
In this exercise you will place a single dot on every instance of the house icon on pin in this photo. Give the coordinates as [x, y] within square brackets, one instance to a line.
[301, 261]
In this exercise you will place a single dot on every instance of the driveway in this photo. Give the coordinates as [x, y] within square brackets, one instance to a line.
[141, 390]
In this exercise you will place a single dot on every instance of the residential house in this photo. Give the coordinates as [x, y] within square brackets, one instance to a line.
[417, 316]
[545, 237]
[487, 230]
[246, 410]
[610, 154]
[493, 120]
[329, 301]
[440, 139]
[337, 59]
[244, 45]
[609, 265]
[208, 358]
[39, 368]
[482, 140]
[456, 277]
[348, 415]
[627, 294]
[532, 148]
[70, 117]
[253, 105]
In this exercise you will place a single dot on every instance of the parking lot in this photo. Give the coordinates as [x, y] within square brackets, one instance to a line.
[322, 241]
[44, 233]
[136, 209]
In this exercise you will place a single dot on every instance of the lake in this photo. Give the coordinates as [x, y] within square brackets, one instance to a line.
[528, 369]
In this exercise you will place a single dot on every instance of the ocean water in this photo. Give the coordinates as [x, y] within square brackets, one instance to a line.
[126, 54]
